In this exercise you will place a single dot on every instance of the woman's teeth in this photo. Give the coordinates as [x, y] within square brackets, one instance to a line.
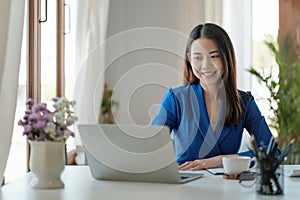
[208, 73]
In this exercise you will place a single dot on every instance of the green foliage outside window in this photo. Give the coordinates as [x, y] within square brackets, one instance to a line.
[284, 99]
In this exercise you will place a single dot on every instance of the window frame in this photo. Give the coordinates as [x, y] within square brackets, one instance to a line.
[34, 66]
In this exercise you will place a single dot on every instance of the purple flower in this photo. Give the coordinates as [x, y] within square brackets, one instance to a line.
[69, 122]
[63, 127]
[21, 123]
[26, 115]
[72, 134]
[58, 132]
[33, 117]
[28, 112]
[29, 102]
[55, 99]
[27, 129]
[41, 107]
[46, 117]
[40, 125]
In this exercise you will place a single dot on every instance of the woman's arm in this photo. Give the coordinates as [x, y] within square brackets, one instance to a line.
[200, 164]
[167, 114]
[256, 125]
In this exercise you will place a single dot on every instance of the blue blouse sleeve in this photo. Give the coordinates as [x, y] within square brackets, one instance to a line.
[255, 124]
[167, 113]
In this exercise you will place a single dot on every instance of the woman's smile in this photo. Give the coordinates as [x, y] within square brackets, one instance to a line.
[208, 74]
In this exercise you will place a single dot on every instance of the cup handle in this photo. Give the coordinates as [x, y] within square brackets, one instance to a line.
[255, 163]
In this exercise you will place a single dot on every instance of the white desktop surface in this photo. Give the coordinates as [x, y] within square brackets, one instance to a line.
[80, 185]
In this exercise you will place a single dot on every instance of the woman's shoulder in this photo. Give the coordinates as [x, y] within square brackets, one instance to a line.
[180, 93]
[246, 96]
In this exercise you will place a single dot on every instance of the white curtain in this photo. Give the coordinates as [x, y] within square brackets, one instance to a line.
[11, 26]
[237, 21]
[91, 26]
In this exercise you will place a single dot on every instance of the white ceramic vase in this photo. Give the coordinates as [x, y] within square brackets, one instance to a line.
[47, 162]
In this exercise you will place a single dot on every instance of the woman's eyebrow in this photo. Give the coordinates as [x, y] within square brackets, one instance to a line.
[199, 53]
[215, 51]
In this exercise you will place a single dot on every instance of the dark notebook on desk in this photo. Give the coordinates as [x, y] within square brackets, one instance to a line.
[131, 153]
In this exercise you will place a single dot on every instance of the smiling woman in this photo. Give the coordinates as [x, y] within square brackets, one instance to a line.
[208, 114]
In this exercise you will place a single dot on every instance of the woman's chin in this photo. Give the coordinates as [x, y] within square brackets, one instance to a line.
[211, 80]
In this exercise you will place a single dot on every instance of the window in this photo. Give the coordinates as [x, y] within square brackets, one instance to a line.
[265, 24]
[41, 71]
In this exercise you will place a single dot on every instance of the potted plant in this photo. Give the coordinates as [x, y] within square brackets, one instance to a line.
[107, 106]
[47, 132]
[284, 98]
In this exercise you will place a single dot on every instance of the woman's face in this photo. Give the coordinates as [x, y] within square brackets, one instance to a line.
[206, 61]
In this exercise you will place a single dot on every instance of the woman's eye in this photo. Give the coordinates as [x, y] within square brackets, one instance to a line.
[197, 58]
[215, 56]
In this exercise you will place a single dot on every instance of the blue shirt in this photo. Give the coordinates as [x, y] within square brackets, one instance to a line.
[183, 110]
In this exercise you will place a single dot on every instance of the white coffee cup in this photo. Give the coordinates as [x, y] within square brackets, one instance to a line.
[234, 165]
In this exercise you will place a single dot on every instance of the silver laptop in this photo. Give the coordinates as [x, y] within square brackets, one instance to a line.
[131, 153]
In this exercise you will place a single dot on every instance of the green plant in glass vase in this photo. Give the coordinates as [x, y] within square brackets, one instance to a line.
[284, 98]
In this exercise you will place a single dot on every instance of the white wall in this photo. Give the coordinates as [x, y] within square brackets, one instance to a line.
[237, 21]
[146, 61]
[142, 62]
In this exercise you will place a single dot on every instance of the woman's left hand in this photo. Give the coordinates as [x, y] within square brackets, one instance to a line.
[200, 164]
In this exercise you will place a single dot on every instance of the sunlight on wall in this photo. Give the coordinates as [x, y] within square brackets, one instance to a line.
[265, 18]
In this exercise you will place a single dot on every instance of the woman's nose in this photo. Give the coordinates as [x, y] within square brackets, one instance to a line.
[207, 62]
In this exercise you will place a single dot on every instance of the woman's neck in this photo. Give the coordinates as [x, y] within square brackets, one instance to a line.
[211, 91]
[214, 91]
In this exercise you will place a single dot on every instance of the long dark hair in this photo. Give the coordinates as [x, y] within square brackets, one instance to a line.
[234, 108]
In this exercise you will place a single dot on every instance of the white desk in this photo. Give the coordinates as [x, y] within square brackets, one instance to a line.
[80, 185]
